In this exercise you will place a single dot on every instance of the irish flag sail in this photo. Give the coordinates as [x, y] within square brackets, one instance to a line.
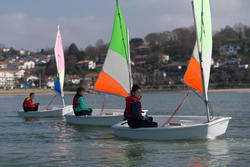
[197, 74]
[115, 77]
[59, 55]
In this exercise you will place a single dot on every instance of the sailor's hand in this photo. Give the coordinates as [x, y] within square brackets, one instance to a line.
[149, 119]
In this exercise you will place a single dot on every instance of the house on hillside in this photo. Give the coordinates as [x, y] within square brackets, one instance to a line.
[90, 79]
[3, 64]
[228, 50]
[27, 65]
[86, 64]
[139, 77]
[140, 60]
[142, 50]
[22, 52]
[231, 63]
[7, 78]
[32, 78]
[243, 66]
[13, 66]
[234, 63]
[20, 74]
[164, 58]
[50, 82]
[74, 79]
[6, 50]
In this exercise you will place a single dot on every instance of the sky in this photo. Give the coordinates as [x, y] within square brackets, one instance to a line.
[32, 24]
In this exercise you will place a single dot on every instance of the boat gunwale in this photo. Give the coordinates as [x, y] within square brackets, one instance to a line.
[91, 116]
[118, 126]
[71, 114]
[40, 111]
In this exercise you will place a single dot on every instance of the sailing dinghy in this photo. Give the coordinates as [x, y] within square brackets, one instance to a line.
[115, 77]
[53, 111]
[197, 78]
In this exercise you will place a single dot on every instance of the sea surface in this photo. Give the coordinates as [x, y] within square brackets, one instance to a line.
[51, 142]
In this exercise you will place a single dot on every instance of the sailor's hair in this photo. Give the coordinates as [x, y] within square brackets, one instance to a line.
[135, 87]
[32, 93]
[79, 90]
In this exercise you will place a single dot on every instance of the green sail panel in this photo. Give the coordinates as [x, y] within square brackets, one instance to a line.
[119, 41]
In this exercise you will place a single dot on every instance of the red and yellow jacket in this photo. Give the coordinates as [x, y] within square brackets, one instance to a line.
[28, 102]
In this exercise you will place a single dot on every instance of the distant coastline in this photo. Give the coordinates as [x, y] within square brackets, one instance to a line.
[24, 92]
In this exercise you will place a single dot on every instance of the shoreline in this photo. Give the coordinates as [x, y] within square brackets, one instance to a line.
[25, 92]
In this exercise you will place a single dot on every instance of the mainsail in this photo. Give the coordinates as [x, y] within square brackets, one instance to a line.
[60, 64]
[115, 77]
[203, 49]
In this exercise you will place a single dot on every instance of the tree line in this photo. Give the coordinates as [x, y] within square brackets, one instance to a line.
[178, 44]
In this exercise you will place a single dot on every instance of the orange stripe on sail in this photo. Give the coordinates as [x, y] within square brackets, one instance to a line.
[193, 75]
[108, 84]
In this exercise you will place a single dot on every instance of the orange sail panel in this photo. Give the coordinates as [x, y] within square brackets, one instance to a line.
[193, 75]
[106, 83]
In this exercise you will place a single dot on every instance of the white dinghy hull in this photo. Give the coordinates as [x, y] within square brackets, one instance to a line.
[108, 117]
[53, 112]
[193, 127]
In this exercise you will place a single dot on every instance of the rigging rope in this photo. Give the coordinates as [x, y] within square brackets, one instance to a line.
[52, 100]
[103, 105]
[176, 110]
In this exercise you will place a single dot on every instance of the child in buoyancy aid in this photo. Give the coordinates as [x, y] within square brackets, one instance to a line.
[133, 111]
[28, 103]
[78, 104]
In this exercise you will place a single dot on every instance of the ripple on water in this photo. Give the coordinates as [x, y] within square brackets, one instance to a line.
[52, 142]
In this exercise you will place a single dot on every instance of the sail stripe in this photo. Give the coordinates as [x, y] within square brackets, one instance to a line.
[193, 75]
[116, 66]
[106, 83]
[57, 86]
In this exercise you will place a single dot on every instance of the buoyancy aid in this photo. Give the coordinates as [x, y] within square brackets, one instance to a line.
[130, 100]
[75, 100]
[28, 102]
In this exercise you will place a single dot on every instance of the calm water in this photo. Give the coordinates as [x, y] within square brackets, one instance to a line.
[52, 142]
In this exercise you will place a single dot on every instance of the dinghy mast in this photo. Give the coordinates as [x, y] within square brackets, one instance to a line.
[129, 62]
[60, 64]
[198, 71]
[115, 77]
[127, 50]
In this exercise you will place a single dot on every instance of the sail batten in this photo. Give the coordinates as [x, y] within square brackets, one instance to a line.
[115, 75]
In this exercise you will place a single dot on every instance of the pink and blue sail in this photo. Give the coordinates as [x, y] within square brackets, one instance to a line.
[60, 64]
